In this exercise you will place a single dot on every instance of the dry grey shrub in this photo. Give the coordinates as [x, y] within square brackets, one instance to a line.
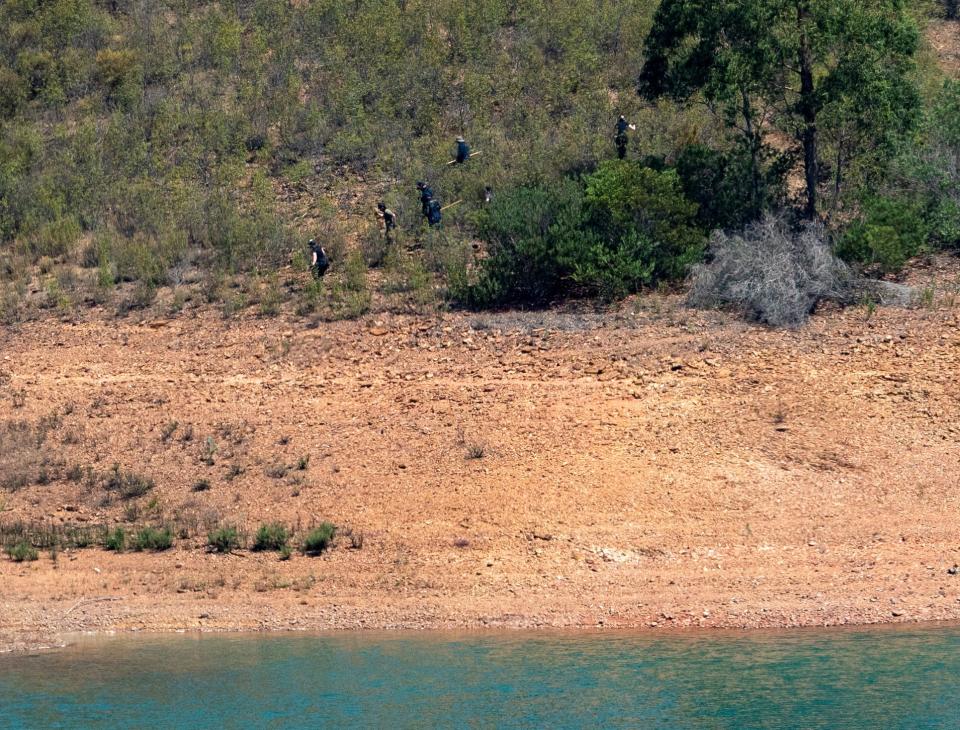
[771, 271]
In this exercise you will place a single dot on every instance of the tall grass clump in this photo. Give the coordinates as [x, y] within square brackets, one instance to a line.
[223, 540]
[116, 540]
[319, 539]
[21, 552]
[151, 538]
[273, 536]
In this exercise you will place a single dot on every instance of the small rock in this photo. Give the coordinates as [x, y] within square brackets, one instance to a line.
[954, 570]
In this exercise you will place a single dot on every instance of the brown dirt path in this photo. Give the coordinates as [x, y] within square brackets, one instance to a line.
[652, 468]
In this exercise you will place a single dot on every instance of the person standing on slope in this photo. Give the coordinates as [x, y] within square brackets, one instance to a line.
[389, 221]
[620, 138]
[319, 263]
[463, 151]
[426, 196]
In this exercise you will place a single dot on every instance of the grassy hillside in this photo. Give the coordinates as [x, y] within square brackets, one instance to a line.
[148, 144]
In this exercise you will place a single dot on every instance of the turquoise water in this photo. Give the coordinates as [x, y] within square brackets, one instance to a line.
[823, 679]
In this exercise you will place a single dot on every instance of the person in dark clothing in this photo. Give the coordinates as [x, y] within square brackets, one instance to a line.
[487, 195]
[389, 219]
[319, 263]
[426, 196]
[463, 151]
[434, 213]
[620, 138]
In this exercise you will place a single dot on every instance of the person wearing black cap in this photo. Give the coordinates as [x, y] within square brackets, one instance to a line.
[319, 263]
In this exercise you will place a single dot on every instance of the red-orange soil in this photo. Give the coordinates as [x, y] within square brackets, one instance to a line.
[652, 467]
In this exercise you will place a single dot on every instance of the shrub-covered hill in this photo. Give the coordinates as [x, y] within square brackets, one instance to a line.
[155, 143]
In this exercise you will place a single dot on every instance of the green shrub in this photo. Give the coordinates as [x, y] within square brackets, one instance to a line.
[319, 539]
[625, 226]
[629, 203]
[21, 552]
[889, 233]
[150, 538]
[55, 239]
[273, 536]
[522, 229]
[223, 540]
[116, 540]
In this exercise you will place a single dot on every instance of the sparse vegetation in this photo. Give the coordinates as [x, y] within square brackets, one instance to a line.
[210, 449]
[21, 552]
[273, 536]
[127, 484]
[168, 429]
[116, 540]
[154, 539]
[25, 456]
[318, 539]
[224, 540]
[201, 485]
[276, 471]
[476, 451]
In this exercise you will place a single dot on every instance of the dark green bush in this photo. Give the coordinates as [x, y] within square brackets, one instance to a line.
[223, 540]
[889, 233]
[643, 213]
[523, 228]
[273, 536]
[623, 227]
[319, 539]
[150, 538]
[927, 173]
[730, 187]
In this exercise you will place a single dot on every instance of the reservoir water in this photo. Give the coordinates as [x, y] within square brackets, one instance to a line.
[889, 678]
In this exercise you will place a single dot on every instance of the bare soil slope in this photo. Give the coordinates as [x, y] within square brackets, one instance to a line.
[653, 467]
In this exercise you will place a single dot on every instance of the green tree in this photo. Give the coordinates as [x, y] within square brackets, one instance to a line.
[781, 63]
